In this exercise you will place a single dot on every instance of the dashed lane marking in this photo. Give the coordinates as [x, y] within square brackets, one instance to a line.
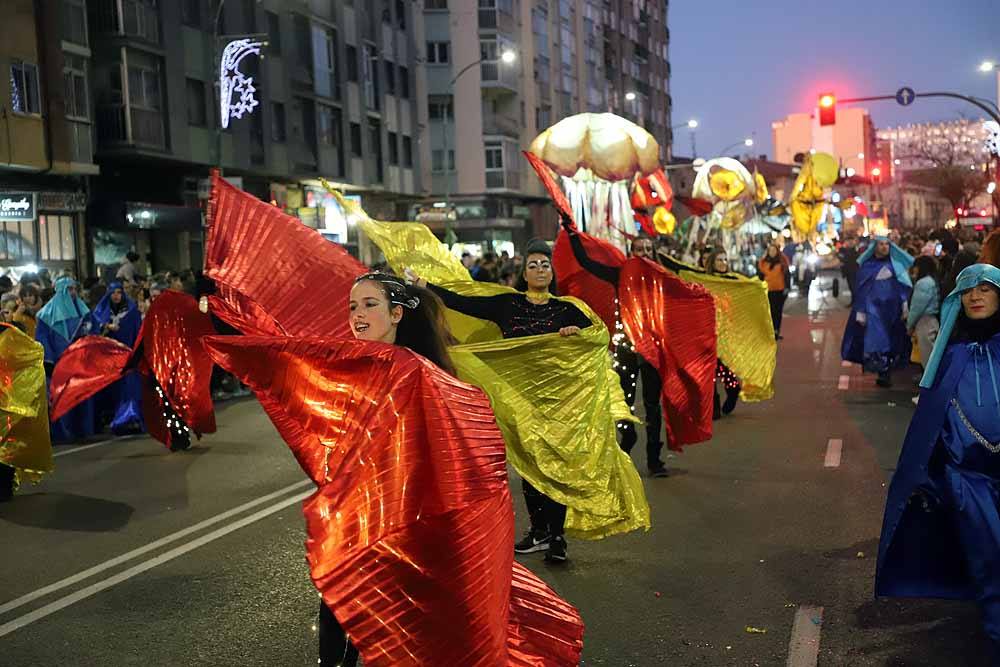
[834, 449]
[83, 448]
[844, 382]
[803, 647]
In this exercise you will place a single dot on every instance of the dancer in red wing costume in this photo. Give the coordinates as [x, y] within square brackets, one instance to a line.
[656, 317]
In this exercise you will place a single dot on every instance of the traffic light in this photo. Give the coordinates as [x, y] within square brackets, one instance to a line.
[827, 109]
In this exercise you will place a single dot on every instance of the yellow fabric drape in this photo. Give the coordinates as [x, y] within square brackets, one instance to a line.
[556, 399]
[24, 414]
[745, 332]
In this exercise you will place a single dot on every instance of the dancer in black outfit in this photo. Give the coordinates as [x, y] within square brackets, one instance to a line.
[530, 312]
[630, 363]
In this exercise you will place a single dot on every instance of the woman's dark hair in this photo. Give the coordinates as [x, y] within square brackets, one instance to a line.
[29, 290]
[535, 247]
[926, 265]
[777, 255]
[423, 328]
[961, 261]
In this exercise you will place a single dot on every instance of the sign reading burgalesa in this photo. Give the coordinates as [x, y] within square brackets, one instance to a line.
[17, 205]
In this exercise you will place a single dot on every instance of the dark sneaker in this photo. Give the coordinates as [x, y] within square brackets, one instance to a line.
[179, 442]
[659, 471]
[557, 550]
[532, 542]
[732, 396]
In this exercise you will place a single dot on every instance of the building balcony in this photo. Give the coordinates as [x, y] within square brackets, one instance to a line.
[499, 125]
[497, 19]
[499, 179]
[498, 76]
[135, 19]
[119, 126]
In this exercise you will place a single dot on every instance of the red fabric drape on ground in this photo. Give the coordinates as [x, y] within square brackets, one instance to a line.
[672, 325]
[271, 260]
[410, 533]
[572, 280]
[671, 322]
[172, 350]
[85, 368]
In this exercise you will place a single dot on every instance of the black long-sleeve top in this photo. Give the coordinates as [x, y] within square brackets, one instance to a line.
[609, 274]
[514, 314]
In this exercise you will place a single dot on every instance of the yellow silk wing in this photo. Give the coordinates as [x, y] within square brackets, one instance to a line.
[24, 415]
[745, 332]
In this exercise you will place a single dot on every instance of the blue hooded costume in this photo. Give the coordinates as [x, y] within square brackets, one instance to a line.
[123, 399]
[58, 325]
[876, 334]
[941, 532]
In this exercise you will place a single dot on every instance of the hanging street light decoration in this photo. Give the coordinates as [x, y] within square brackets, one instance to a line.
[236, 89]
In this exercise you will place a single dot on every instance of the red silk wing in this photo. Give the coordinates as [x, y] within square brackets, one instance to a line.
[573, 280]
[410, 534]
[287, 270]
[88, 366]
[695, 206]
[545, 175]
[672, 325]
[173, 351]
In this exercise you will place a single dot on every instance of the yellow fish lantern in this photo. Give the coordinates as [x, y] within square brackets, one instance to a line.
[807, 198]
[664, 221]
[762, 193]
[726, 185]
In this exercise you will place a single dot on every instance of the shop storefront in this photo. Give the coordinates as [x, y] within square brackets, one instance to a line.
[167, 238]
[41, 230]
[318, 209]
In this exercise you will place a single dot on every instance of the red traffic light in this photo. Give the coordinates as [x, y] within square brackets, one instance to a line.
[827, 109]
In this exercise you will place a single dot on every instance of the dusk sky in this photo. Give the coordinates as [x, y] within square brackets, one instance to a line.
[738, 66]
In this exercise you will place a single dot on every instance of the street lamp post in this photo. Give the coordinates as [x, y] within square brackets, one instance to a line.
[748, 142]
[992, 66]
[507, 57]
[691, 125]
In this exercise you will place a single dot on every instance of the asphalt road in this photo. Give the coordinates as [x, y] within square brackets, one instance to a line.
[129, 555]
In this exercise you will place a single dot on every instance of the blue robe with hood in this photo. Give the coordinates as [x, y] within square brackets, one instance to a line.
[941, 531]
[882, 343]
[58, 325]
[123, 399]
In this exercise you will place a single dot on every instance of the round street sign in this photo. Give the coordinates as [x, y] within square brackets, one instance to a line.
[905, 96]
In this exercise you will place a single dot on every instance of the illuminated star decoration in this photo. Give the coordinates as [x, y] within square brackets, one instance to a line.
[234, 82]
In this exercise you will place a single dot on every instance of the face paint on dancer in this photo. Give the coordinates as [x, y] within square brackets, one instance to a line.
[538, 272]
[373, 317]
[981, 302]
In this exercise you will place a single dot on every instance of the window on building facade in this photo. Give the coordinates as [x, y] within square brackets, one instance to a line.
[303, 53]
[369, 68]
[407, 152]
[438, 53]
[325, 63]
[144, 87]
[352, 63]
[356, 139]
[18, 241]
[437, 160]
[393, 148]
[494, 155]
[324, 125]
[75, 87]
[390, 77]
[74, 21]
[543, 117]
[438, 106]
[196, 103]
[250, 16]
[56, 238]
[141, 19]
[273, 33]
[436, 4]
[191, 13]
[278, 131]
[401, 14]
[375, 141]
[24, 90]
[404, 83]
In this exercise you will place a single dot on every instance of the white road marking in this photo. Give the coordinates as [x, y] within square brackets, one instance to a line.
[803, 647]
[73, 450]
[135, 553]
[844, 382]
[845, 364]
[136, 570]
[834, 448]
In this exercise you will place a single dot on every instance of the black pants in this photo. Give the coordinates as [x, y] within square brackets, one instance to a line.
[852, 282]
[632, 367]
[335, 650]
[7, 477]
[547, 516]
[776, 299]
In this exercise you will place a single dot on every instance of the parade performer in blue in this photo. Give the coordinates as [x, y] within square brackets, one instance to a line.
[941, 533]
[876, 334]
[117, 316]
[59, 324]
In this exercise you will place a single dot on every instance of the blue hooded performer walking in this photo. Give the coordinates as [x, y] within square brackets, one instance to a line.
[58, 325]
[117, 316]
[941, 533]
[876, 335]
